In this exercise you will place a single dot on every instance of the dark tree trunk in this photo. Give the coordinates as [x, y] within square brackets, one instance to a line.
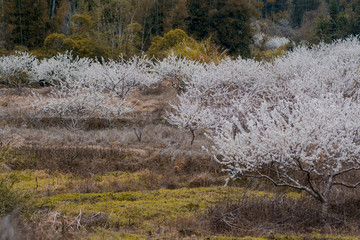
[53, 10]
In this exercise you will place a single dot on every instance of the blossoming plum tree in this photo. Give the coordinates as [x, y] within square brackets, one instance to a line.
[119, 77]
[177, 70]
[63, 68]
[307, 144]
[17, 70]
[76, 103]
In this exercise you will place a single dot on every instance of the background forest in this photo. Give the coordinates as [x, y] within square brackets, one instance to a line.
[109, 28]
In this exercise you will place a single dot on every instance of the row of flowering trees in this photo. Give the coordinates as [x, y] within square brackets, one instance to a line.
[23, 70]
[81, 88]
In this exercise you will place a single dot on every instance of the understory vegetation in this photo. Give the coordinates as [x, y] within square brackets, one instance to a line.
[177, 148]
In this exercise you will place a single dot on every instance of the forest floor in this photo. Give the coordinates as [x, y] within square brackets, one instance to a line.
[138, 178]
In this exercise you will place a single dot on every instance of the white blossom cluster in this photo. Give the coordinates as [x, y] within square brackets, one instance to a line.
[212, 92]
[270, 42]
[76, 105]
[325, 68]
[81, 88]
[62, 69]
[276, 42]
[119, 77]
[178, 71]
[17, 70]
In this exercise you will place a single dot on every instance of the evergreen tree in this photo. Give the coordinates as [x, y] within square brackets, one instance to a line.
[198, 21]
[355, 26]
[34, 22]
[28, 22]
[230, 25]
[12, 18]
[299, 7]
[226, 21]
[334, 9]
[25, 20]
[342, 20]
[272, 7]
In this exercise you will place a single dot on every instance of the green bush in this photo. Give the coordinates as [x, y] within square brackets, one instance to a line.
[42, 53]
[268, 55]
[177, 42]
[54, 41]
[201, 51]
[161, 45]
[83, 41]
[9, 197]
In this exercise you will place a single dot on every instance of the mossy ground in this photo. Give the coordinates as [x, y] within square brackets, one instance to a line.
[142, 214]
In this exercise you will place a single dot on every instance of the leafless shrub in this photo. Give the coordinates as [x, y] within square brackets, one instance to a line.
[253, 215]
[96, 219]
[156, 89]
[46, 226]
[53, 225]
[189, 227]
[204, 179]
[170, 181]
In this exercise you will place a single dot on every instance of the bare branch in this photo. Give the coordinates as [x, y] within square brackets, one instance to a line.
[347, 184]
[308, 178]
[346, 170]
[285, 184]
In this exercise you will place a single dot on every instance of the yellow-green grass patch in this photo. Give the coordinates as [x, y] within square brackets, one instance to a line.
[144, 209]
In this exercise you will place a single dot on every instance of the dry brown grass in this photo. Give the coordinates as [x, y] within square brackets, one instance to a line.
[153, 135]
[192, 169]
[16, 227]
[281, 214]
